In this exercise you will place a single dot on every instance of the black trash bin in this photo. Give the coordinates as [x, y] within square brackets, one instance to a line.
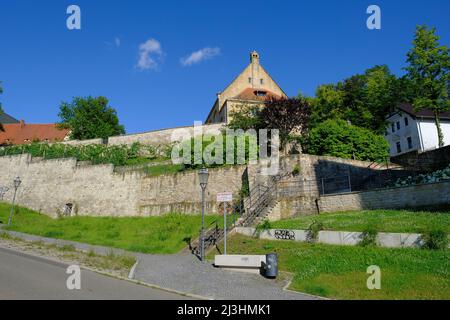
[271, 266]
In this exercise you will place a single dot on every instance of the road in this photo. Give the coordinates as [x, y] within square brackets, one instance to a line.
[25, 277]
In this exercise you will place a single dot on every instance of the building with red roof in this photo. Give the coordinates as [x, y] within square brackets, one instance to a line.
[253, 86]
[23, 133]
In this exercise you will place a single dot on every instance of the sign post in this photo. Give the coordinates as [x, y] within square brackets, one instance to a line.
[225, 197]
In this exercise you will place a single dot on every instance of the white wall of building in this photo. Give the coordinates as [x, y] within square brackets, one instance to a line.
[422, 132]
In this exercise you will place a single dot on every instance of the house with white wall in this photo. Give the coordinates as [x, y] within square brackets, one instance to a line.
[408, 130]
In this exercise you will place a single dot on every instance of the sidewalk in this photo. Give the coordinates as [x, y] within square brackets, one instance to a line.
[185, 273]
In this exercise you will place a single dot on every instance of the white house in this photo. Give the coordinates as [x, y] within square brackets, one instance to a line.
[408, 130]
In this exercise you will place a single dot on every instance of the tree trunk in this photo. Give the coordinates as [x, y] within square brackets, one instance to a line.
[439, 130]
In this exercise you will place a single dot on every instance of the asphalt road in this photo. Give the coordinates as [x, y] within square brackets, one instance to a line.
[25, 277]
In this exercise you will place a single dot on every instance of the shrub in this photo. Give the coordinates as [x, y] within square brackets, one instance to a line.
[265, 225]
[369, 237]
[97, 154]
[337, 138]
[435, 239]
[296, 170]
[313, 231]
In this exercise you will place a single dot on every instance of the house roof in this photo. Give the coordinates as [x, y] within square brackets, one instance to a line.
[6, 118]
[425, 113]
[21, 133]
[254, 94]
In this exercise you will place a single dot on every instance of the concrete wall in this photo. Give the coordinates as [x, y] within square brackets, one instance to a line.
[344, 238]
[48, 185]
[390, 198]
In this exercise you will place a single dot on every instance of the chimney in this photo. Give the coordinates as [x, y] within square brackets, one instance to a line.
[254, 57]
[22, 124]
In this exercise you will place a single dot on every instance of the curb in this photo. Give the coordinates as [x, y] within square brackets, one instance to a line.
[133, 269]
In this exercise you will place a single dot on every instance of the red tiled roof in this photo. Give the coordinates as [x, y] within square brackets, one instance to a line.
[256, 95]
[22, 133]
[426, 113]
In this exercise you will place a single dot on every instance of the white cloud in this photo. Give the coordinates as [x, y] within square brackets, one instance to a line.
[150, 55]
[117, 41]
[200, 55]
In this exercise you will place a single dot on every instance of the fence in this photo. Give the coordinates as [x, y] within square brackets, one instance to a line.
[341, 183]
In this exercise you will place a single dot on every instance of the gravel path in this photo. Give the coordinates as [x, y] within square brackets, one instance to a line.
[185, 273]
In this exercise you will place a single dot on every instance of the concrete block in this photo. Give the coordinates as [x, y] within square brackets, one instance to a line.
[330, 237]
[242, 263]
[351, 238]
[389, 240]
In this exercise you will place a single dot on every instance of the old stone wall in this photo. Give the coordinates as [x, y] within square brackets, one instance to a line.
[390, 198]
[157, 137]
[48, 185]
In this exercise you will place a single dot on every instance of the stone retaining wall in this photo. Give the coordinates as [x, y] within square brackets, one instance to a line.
[391, 198]
[389, 240]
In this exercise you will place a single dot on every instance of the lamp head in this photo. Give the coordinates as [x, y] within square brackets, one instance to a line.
[203, 175]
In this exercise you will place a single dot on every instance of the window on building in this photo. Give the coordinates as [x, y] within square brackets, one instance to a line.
[249, 80]
[260, 93]
[406, 122]
[261, 81]
[410, 145]
[398, 125]
[399, 147]
[393, 127]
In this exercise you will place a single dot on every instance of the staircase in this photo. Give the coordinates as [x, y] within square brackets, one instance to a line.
[262, 200]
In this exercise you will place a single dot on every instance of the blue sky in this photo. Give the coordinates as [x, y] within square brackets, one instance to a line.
[302, 44]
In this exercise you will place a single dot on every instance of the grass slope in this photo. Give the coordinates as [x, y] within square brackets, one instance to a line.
[165, 234]
[340, 271]
[382, 220]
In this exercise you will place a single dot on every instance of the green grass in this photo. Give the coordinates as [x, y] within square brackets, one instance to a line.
[161, 169]
[165, 234]
[340, 271]
[382, 220]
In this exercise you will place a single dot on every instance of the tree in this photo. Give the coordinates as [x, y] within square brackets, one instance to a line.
[428, 70]
[327, 104]
[245, 116]
[286, 115]
[90, 118]
[340, 139]
[363, 99]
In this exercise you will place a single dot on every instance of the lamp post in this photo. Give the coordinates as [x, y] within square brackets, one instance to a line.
[17, 183]
[203, 175]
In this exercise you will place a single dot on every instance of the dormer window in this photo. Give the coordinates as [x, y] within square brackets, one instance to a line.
[260, 93]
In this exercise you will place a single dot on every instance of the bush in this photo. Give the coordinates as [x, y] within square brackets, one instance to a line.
[212, 146]
[337, 138]
[96, 153]
[313, 231]
[435, 240]
[369, 237]
[265, 225]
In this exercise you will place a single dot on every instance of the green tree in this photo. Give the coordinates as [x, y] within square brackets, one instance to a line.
[245, 116]
[327, 104]
[90, 118]
[340, 139]
[428, 70]
[363, 99]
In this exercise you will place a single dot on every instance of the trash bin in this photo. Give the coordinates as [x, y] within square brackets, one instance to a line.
[271, 266]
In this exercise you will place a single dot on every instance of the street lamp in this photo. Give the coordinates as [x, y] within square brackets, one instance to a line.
[17, 183]
[203, 175]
